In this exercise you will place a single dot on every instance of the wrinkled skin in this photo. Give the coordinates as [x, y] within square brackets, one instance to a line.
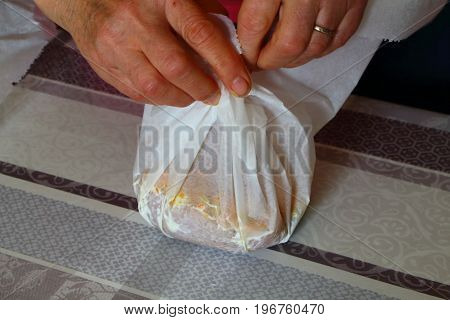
[149, 49]
[290, 23]
[142, 47]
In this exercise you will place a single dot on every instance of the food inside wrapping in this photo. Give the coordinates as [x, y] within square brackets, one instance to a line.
[247, 185]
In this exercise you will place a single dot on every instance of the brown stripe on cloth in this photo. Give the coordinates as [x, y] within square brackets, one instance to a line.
[330, 259]
[365, 269]
[383, 167]
[67, 185]
[390, 139]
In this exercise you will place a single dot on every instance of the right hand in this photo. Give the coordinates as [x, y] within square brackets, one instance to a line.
[144, 48]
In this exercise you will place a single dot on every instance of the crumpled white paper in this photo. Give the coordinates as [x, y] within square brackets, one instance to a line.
[221, 176]
[240, 208]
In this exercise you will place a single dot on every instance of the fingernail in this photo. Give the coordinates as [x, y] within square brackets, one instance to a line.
[239, 86]
[213, 99]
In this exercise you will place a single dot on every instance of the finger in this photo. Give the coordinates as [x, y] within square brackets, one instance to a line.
[210, 42]
[151, 83]
[330, 15]
[254, 21]
[119, 81]
[292, 34]
[179, 68]
[348, 26]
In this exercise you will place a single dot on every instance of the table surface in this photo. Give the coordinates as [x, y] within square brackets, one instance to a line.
[378, 225]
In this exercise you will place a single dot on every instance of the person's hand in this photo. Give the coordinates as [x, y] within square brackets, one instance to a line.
[294, 41]
[145, 48]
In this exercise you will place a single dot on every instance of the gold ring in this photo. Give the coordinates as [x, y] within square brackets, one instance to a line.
[324, 30]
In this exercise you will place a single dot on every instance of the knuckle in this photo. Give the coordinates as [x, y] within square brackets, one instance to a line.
[255, 24]
[266, 65]
[176, 66]
[110, 32]
[198, 31]
[316, 48]
[291, 48]
[340, 41]
[115, 25]
[134, 95]
[151, 87]
[131, 93]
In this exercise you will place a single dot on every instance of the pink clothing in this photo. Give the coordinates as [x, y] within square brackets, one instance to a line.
[232, 7]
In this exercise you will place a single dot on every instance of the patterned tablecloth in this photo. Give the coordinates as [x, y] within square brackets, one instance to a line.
[378, 226]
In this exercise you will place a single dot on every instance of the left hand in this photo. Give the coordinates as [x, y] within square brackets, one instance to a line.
[294, 41]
